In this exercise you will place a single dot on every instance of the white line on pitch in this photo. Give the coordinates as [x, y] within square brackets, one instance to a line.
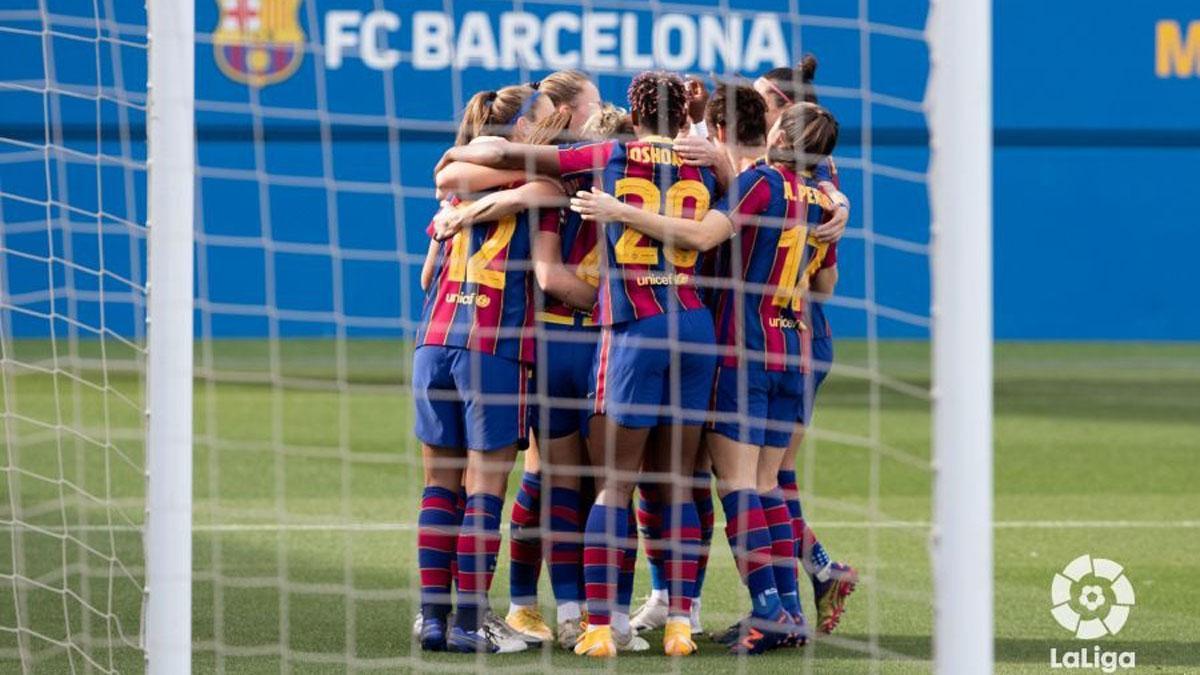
[833, 524]
[855, 525]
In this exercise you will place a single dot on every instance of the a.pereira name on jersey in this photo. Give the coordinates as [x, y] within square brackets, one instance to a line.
[594, 41]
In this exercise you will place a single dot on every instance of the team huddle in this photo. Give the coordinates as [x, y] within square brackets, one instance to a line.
[652, 279]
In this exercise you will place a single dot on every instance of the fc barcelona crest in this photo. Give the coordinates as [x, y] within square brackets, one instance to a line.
[258, 42]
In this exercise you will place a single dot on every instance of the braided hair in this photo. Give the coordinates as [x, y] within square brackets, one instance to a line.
[658, 102]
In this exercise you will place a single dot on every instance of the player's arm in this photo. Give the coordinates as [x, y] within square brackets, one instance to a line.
[697, 235]
[553, 276]
[464, 178]
[496, 205]
[427, 267]
[827, 179]
[502, 154]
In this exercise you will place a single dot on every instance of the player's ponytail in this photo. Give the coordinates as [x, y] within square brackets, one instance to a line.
[808, 134]
[475, 118]
[494, 113]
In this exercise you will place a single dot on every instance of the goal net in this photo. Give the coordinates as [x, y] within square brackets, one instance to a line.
[318, 124]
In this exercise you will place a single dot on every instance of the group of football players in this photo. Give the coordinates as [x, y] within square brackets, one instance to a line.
[652, 280]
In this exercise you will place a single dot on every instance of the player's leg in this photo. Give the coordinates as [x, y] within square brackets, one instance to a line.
[833, 582]
[652, 614]
[560, 426]
[702, 494]
[479, 545]
[563, 458]
[438, 423]
[779, 526]
[493, 391]
[624, 636]
[735, 440]
[783, 408]
[694, 362]
[619, 451]
[525, 552]
[628, 380]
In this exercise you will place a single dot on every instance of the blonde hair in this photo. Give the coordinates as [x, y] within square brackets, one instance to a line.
[562, 88]
[607, 122]
[492, 113]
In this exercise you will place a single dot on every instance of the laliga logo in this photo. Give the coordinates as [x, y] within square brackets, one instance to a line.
[1096, 588]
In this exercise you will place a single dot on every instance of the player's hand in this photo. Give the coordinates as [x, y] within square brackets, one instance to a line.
[831, 231]
[447, 157]
[597, 205]
[448, 222]
[697, 94]
[695, 151]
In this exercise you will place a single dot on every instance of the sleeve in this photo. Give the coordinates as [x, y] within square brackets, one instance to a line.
[581, 157]
[830, 257]
[753, 194]
[551, 219]
[827, 171]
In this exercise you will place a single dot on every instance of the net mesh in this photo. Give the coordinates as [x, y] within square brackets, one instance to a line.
[313, 189]
[72, 310]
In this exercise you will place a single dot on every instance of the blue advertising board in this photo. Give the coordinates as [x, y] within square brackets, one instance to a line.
[319, 122]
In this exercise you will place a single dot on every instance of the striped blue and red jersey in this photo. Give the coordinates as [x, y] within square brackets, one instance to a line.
[640, 276]
[580, 253]
[818, 256]
[772, 209]
[482, 295]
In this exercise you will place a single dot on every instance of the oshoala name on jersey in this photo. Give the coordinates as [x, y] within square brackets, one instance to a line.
[652, 154]
[677, 279]
[476, 299]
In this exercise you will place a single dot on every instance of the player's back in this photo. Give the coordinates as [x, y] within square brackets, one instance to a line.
[482, 295]
[642, 276]
[774, 209]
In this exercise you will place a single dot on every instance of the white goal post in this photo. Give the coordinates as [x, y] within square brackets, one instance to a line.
[960, 119]
[171, 166]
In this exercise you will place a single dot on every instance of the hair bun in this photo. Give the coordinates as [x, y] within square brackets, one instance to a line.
[807, 68]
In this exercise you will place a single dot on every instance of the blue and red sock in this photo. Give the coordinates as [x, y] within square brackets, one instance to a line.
[628, 564]
[566, 545]
[702, 495]
[649, 515]
[750, 541]
[603, 539]
[783, 549]
[681, 552]
[525, 544]
[809, 550]
[437, 537]
[478, 547]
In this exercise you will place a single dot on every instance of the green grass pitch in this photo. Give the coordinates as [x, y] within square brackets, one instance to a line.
[1102, 434]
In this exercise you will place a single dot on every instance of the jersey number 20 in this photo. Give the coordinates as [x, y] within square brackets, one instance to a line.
[629, 249]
